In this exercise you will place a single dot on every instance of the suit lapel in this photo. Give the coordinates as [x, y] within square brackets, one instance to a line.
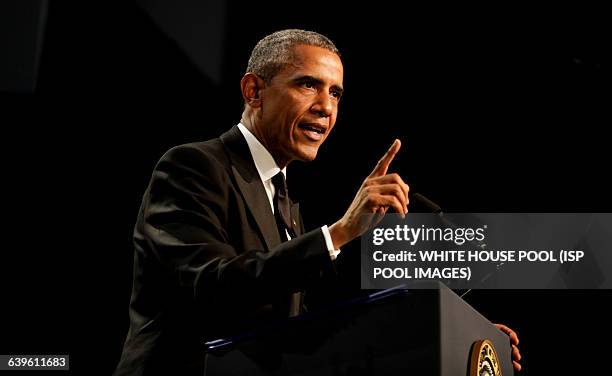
[295, 219]
[296, 303]
[254, 194]
[250, 185]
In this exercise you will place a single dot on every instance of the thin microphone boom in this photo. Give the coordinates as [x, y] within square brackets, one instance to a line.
[436, 209]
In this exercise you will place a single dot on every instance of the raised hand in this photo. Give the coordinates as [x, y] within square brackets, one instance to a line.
[379, 192]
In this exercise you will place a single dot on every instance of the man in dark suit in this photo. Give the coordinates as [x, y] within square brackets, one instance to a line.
[219, 247]
[214, 253]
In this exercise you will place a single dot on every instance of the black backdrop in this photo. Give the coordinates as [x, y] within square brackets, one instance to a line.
[500, 109]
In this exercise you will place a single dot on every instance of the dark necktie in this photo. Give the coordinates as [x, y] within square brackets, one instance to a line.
[282, 214]
[282, 206]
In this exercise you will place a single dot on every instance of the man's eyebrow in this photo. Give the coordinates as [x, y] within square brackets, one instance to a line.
[317, 81]
[307, 78]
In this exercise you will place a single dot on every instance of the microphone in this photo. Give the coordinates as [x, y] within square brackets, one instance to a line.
[432, 206]
[436, 209]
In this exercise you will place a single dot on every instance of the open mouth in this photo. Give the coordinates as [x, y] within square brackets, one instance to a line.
[312, 127]
[313, 132]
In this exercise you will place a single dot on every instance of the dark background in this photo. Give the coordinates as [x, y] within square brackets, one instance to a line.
[500, 108]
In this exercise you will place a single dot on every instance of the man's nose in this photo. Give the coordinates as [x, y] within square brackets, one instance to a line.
[323, 106]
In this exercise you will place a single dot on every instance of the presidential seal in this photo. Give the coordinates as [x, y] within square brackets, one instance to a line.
[483, 360]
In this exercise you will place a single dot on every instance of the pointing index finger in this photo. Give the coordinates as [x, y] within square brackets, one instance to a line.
[383, 164]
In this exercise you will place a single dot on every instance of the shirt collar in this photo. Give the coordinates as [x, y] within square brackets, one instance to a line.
[265, 164]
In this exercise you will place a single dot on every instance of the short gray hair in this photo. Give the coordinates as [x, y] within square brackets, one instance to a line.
[275, 51]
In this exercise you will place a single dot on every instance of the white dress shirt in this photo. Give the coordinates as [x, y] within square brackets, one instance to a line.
[267, 168]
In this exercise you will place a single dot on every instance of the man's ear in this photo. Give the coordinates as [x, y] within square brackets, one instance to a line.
[251, 85]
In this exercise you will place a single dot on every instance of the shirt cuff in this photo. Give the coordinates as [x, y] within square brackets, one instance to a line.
[333, 253]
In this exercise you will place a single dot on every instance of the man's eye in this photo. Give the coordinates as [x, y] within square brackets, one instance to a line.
[308, 85]
[336, 94]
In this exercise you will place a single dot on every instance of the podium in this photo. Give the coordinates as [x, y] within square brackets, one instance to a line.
[392, 332]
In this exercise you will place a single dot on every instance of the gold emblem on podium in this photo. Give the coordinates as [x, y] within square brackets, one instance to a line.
[483, 359]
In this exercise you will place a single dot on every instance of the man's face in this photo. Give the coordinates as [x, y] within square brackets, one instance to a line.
[300, 104]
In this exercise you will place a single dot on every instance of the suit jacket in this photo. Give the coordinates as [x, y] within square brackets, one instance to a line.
[208, 258]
